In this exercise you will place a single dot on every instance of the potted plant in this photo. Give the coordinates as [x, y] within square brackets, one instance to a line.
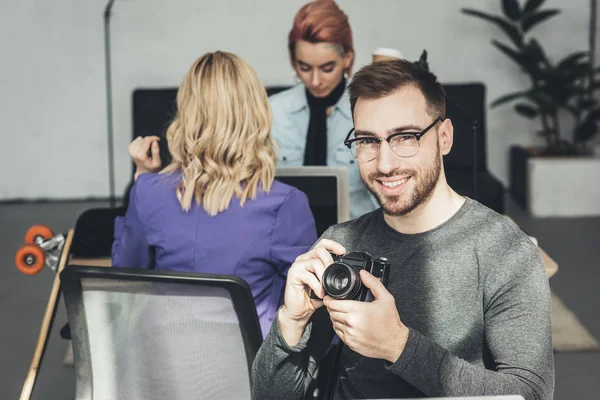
[567, 86]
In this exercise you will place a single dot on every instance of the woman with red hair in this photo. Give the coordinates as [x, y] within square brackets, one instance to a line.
[311, 120]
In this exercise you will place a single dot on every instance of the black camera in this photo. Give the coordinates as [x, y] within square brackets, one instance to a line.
[341, 280]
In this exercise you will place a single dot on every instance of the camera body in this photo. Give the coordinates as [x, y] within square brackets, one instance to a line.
[341, 280]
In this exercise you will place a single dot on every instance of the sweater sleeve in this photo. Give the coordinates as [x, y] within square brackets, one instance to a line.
[130, 247]
[518, 334]
[283, 372]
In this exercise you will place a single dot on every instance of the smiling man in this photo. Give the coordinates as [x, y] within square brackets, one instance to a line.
[466, 311]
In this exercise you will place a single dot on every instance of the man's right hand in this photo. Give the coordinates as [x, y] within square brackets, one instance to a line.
[303, 276]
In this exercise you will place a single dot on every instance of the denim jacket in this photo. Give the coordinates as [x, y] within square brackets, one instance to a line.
[291, 116]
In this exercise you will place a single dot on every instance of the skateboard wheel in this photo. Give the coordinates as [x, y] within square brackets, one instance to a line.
[30, 259]
[37, 232]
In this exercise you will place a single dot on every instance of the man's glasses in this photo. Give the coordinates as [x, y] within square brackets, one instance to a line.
[403, 144]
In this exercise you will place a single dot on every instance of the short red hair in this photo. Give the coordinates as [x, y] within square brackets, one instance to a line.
[320, 21]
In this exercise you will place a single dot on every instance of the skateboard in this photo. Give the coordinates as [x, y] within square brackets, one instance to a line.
[43, 248]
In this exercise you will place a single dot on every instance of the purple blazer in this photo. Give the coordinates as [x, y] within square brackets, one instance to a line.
[257, 242]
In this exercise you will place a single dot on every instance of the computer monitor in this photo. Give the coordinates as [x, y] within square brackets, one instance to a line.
[327, 191]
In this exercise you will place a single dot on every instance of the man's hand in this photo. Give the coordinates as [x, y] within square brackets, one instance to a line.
[372, 329]
[305, 275]
[144, 153]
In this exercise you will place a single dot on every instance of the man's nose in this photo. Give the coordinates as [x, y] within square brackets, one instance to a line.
[387, 160]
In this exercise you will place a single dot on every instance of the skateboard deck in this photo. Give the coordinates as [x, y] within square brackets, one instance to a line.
[31, 261]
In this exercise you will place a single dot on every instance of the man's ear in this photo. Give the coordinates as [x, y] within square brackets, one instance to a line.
[446, 136]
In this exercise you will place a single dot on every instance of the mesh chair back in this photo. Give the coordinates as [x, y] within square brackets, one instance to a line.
[160, 335]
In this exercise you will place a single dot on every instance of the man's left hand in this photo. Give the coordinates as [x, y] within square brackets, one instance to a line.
[372, 329]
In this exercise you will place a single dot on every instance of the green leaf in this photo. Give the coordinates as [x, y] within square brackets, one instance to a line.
[574, 67]
[516, 56]
[543, 100]
[506, 98]
[526, 110]
[509, 29]
[536, 55]
[581, 70]
[558, 89]
[587, 103]
[595, 114]
[532, 20]
[511, 9]
[532, 5]
[571, 59]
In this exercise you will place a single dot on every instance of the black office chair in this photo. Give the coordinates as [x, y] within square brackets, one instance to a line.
[466, 103]
[93, 238]
[94, 232]
[271, 90]
[140, 334]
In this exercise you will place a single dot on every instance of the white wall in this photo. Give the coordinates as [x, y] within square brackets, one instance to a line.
[52, 88]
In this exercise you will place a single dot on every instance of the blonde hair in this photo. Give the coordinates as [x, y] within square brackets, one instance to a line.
[220, 137]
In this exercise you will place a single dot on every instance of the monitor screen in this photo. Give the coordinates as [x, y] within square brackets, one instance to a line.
[326, 189]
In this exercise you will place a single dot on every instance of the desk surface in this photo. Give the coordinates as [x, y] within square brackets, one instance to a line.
[91, 262]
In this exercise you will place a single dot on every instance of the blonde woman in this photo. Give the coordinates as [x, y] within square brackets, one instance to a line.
[216, 208]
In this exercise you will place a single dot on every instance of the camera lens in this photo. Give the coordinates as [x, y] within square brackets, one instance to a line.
[341, 281]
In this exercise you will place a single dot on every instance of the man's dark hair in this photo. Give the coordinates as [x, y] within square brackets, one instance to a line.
[383, 78]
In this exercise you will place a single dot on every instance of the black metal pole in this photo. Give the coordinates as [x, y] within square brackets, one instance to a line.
[475, 159]
[109, 114]
[592, 41]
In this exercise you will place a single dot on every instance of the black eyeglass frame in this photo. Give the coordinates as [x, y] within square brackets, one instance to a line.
[418, 135]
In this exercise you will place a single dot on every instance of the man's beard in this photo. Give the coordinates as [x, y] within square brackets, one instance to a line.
[423, 190]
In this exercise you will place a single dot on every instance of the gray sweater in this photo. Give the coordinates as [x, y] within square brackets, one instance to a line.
[475, 297]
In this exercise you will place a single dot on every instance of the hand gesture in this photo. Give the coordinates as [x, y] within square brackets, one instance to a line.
[372, 329]
[303, 276]
[144, 153]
